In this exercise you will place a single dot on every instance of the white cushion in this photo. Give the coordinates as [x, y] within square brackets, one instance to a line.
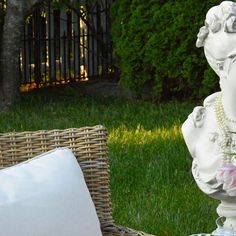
[46, 196]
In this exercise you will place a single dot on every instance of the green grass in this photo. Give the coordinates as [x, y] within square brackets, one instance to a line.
[151, 182]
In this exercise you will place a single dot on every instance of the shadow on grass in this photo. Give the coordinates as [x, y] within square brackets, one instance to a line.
[67, 107]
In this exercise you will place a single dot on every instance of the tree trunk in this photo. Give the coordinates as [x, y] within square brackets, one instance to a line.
[12, 32]
[11, 43]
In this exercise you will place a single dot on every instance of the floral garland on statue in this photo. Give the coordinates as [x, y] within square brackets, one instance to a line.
[214, 24]
[226, 175]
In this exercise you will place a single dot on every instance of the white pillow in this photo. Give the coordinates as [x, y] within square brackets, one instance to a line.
[46, 196]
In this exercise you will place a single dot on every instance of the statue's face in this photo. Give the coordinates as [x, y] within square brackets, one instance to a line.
[230, 81]
[220, 45]
[220, 50]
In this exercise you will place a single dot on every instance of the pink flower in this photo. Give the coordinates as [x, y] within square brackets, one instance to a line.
[226, 176]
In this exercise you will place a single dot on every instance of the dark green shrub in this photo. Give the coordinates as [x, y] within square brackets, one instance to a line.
[154, 44]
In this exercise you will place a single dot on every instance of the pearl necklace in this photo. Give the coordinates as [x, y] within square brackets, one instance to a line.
[227, 137]
[230, 119]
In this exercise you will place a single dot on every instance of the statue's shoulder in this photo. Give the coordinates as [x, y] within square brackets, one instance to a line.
[210, 100]
[198, 121]
[198, 116]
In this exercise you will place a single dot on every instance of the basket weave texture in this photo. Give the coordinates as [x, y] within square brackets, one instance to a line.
[89, 145]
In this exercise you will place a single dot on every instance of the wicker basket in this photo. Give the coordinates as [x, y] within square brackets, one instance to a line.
[89, 145]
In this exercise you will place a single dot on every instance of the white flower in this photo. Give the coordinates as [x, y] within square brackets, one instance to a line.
[213, 136]
[198, 116]
[203, 32]
[230, 25]
[226, 11]
[213, 23]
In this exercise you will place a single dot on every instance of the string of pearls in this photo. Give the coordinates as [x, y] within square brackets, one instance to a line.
[229, 119]
[227, 139]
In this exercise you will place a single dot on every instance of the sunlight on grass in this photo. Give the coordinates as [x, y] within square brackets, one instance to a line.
[152, 184]
[140, 135]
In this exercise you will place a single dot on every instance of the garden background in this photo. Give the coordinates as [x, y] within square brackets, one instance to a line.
[154, 47]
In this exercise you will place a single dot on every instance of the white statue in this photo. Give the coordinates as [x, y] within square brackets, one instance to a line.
[210, 130]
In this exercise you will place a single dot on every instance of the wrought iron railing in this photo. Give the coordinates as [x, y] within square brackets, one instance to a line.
[66, 45]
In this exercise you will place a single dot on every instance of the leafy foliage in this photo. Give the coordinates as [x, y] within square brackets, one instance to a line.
[154, 43]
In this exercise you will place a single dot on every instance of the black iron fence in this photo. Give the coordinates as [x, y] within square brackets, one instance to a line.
[66, 45]
[2, 14]
[2, 5]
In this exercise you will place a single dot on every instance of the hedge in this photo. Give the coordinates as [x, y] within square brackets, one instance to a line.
[154, 46]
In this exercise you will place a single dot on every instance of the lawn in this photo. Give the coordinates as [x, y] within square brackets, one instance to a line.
[151, 182]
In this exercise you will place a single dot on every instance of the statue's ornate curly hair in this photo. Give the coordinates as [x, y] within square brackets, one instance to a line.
[219, 17]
